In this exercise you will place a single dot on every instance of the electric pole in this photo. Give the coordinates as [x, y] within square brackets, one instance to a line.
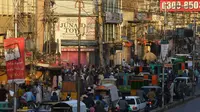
[194, 55]
[100, 34]
[36, 26]
[15, 20]
[45, 22]
[164, 57]
[80, 6]
[15, 28]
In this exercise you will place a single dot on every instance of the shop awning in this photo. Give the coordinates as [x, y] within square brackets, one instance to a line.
[75, 43]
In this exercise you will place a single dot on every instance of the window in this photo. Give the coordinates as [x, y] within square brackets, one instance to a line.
[138, 100]
[131, 101]
[142, 100]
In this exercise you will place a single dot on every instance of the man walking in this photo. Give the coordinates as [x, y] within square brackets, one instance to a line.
[123, 105]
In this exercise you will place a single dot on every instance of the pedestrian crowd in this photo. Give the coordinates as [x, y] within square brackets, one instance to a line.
[91, 77]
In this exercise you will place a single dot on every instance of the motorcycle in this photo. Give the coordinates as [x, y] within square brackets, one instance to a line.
[30, 104]
[151, 105]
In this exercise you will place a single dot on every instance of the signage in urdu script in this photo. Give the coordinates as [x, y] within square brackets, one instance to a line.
[180, 5]
[164, 50]
[15, 61]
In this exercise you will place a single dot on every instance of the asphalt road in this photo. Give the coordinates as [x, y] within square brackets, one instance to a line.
[191, 106]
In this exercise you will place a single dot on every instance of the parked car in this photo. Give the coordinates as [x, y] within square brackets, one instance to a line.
[135, 103]
[68, 106]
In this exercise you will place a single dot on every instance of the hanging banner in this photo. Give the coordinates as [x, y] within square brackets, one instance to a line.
[180, 5]
[164, 50]
[15, 61]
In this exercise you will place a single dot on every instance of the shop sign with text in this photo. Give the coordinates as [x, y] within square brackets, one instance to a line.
[15, 59]
[114, 18]
[180, 5]
[75, 49]
[67, 28]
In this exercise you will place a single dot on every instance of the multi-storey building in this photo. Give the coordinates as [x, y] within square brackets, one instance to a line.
[29, 25]
[111, 31]
[26, 19]
[140, 26]
[66, 31]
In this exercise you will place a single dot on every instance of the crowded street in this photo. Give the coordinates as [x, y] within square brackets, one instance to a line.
[99, 55]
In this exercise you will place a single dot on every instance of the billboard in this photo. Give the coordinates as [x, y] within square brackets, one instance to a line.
[67, 28]
[114, 18]
[180, 5]
[15, 59]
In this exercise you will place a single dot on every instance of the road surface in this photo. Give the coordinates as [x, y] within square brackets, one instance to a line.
[191, 106]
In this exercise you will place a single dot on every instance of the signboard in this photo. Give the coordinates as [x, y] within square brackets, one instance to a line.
[69, 86]
[180, 5]
[114, 18]
[67, 28]
[76, 49]
[15, 61]
[164, 49]
[168, 65]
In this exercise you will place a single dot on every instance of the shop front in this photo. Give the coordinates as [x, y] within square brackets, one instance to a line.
[66, 32]
[70, 54]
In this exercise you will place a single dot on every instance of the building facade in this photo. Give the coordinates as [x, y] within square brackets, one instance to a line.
[66, 31]
[112, 44]
[140, 27]
[26, 20]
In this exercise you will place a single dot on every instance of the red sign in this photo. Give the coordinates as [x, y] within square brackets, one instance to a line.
[180, 5]
[75, 49]
[15, 61]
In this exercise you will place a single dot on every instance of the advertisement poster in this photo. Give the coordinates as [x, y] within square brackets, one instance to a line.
[15, 59]
[180, 5]
[164, 50]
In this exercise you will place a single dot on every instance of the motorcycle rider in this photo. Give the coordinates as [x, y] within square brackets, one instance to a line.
[27, 97]
[123, 105]
[151, 95]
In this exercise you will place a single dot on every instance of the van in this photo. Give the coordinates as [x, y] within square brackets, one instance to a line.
[187, 81]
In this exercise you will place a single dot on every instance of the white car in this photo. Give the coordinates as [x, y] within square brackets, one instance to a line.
[136, 103]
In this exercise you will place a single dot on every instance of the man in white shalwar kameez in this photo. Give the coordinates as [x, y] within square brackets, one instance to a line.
[38, 94]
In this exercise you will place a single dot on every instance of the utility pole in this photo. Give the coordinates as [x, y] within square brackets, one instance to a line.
[164, 58]
[46, 21]
[15, 25]
[194, 55]
[36, 26]
[16, 14]
[80, 6]
[100, 34]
